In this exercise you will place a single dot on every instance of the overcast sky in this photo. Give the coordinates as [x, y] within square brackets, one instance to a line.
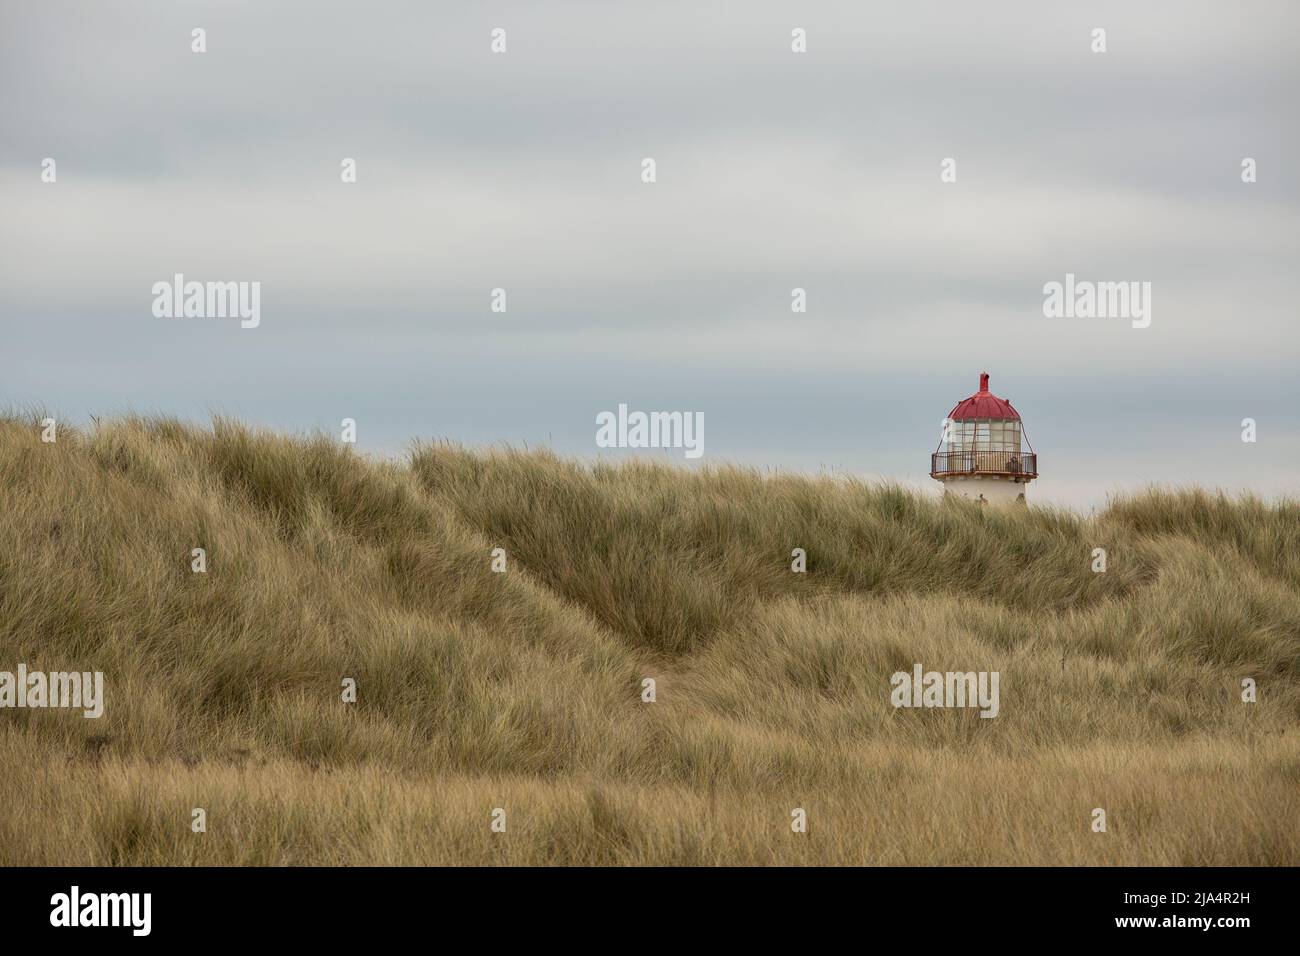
[775, 170]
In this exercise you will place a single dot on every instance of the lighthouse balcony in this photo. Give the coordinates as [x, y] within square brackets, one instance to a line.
[1003, 464]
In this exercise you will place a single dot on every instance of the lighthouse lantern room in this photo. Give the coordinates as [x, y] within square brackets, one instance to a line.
[984, 453]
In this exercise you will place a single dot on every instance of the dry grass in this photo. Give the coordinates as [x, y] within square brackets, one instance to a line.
[522, 690]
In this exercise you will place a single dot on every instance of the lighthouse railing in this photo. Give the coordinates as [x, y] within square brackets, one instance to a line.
[977, 462]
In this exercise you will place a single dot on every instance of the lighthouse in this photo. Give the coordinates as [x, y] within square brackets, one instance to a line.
[984, 454]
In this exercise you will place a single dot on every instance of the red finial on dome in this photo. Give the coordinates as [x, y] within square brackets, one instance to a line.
[984, 381]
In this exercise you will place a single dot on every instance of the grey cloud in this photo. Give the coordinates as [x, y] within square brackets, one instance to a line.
[775, 171]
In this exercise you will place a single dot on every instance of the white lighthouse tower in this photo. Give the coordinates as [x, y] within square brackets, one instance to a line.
[984, 454]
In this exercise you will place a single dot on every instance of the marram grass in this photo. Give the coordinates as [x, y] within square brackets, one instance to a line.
[523, 690]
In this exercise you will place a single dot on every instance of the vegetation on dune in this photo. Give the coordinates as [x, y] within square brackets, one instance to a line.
[523, 689]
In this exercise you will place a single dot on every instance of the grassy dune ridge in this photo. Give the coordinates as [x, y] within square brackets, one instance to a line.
[522, 690]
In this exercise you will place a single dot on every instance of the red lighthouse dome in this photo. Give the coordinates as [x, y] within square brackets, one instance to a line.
[984, 404]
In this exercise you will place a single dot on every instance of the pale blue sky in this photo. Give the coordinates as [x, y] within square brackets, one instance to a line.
[775, 170]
